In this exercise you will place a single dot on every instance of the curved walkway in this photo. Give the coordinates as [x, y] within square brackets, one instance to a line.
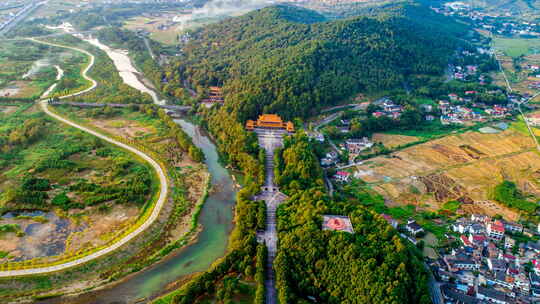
[164, 186]
[84, 72]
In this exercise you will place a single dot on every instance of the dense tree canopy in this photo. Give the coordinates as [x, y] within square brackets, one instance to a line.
[271, 61]
[371, 266]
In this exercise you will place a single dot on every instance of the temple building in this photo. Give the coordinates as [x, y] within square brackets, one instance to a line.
[269, 121]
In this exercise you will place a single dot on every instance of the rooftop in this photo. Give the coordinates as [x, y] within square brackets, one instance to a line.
[337, 223]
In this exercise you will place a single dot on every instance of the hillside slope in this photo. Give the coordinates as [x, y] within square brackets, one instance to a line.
[291, 61]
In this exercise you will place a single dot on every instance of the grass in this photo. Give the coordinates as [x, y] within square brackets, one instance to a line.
[451, 206]
[89, 170]
[19, 57]
[520, 126]
[516, 47]
[428, 131]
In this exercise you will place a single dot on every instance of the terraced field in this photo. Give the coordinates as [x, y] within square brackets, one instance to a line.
[464, 167]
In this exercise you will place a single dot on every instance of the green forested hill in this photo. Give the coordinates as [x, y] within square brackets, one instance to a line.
[291, 61]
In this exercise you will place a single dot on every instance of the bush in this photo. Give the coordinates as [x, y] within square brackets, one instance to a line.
[507, 194]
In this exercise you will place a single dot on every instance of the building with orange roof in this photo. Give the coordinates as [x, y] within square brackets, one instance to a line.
[269, 121]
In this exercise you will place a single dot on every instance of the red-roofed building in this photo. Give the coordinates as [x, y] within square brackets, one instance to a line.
[478, 239]
[342, 176]
[496, 230]
[377, 114]
[465, 241]
[536, 264]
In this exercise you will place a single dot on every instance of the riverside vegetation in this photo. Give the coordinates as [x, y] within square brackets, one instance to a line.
[323, 62]
[46, 166]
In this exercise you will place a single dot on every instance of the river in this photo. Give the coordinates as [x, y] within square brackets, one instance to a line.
[125, 68]
[216, 218]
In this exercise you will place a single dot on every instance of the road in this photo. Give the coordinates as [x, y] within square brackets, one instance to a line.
[23, 14]
[509, 87]
[148, 47]
[163, 182]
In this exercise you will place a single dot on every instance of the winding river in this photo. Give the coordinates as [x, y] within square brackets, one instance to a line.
[126, 69]
[216, 219]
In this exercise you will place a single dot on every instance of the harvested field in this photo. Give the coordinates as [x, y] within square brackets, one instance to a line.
[464, 167]
[393, 140]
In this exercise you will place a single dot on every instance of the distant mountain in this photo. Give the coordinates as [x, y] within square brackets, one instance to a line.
[293, 61]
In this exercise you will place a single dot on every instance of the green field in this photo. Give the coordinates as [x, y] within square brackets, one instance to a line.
[516, 47]
[27, 69]
[46, 165]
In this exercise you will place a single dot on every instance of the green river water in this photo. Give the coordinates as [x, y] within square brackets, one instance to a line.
[216, 219]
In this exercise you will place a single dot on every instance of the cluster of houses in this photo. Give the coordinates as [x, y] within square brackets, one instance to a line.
[389, 108]
[330, 159]
[460, 114]
[461, 73]
[496, 22]
[489, 266]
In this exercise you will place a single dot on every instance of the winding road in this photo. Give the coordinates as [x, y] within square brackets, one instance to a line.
[84, 72]
[164, 184]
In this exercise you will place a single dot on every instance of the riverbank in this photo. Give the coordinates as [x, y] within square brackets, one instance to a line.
[130, 75]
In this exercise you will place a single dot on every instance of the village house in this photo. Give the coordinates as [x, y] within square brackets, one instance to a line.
[478, 239]
[477, 228]
[455, 265]
[509, 243]
[479, 218]
[342, 176]
[493, 251]
[461, 226]
[465, 241]
[357, 145]
[534, 120]
[413, 228]
[466, 277]
[495, 230]
[491, 295]
[426, 107]
[496, 265]
[522, 283]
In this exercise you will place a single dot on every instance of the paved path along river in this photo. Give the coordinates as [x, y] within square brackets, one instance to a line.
[163, 182]
[216, 223]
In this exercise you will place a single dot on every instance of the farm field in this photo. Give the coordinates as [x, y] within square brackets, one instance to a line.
[515, 47]
[63, 191]
[463, 167]
[154, 25]
[519, 80]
